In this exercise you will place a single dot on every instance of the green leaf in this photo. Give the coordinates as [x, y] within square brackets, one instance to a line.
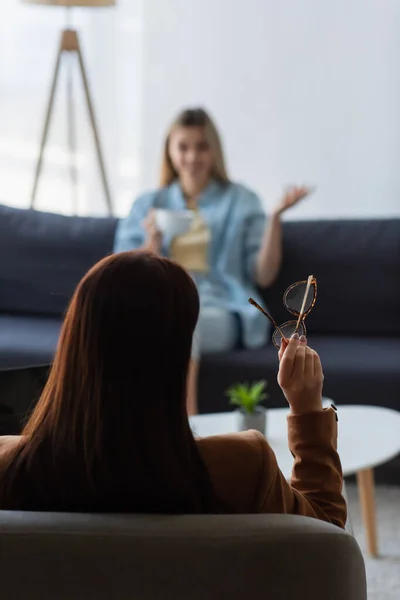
[246, 395]
[236, 401]
[257, 389]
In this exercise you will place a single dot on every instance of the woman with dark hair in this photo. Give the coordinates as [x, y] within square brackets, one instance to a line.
[110, 432]
[230, 248]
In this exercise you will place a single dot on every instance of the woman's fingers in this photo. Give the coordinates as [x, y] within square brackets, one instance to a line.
[282, 348]
[149, 224]
[287, 361]
[301, 377]
[309, 364]
[318, 372]
[299, 364]
[150, 218]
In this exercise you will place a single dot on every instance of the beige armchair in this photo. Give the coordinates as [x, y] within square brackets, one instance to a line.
[50, 556]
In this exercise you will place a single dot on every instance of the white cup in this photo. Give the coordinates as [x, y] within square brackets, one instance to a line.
[173, 222]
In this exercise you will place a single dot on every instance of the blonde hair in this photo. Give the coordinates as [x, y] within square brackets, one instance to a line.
[194, 118]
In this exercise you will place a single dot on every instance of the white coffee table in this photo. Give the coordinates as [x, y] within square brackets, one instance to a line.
[368, 437]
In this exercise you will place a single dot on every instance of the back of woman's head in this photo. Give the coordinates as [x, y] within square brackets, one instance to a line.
[129, 329]
[110, 431]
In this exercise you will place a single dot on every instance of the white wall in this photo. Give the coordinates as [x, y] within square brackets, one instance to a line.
[303, 91]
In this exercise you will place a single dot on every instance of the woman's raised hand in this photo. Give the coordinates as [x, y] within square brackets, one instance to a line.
[300, 376]
[292, 196]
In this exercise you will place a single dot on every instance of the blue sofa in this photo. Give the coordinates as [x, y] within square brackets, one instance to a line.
[355, 324]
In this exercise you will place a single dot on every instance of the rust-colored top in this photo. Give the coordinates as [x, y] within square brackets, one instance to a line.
[247, 479]
[246, 476]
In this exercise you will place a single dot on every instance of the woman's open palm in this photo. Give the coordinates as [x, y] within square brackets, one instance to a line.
[293, 196]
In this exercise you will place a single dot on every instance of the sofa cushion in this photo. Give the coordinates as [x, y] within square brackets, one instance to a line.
[357, 265]
[53, 556]
[27, 341]
[43, 256]
[358, 370]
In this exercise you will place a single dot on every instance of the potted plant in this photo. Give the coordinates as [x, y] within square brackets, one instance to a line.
[248, 397]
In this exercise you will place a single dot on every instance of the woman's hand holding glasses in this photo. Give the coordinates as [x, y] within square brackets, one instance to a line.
[300, 373]
[300, 376]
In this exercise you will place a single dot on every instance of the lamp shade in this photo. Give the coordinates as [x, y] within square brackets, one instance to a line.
[93, 3]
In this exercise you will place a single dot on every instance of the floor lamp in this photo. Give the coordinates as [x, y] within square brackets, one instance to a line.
[69, 43]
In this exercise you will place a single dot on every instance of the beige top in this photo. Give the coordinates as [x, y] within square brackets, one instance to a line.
[246, 476]
[190, 250]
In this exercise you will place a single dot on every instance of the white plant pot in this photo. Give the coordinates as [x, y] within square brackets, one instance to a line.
[256, 420]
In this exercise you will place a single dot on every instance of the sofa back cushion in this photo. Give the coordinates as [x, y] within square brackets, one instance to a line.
[357, 266]
[43, 256]
[44, 556]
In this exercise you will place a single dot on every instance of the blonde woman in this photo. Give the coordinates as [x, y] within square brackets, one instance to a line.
[231, 247]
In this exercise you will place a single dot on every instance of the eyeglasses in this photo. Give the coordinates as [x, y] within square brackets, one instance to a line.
[299, 300]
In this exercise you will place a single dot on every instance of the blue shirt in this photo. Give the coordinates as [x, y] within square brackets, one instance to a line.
[236, 220]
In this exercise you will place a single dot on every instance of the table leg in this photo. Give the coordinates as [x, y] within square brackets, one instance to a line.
[366, 491]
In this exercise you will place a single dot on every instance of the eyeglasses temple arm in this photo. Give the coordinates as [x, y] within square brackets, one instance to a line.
[309, 282]
[264, 312]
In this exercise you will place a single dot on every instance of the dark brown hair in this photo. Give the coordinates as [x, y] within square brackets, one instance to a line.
[110, 432]
[194, 117]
